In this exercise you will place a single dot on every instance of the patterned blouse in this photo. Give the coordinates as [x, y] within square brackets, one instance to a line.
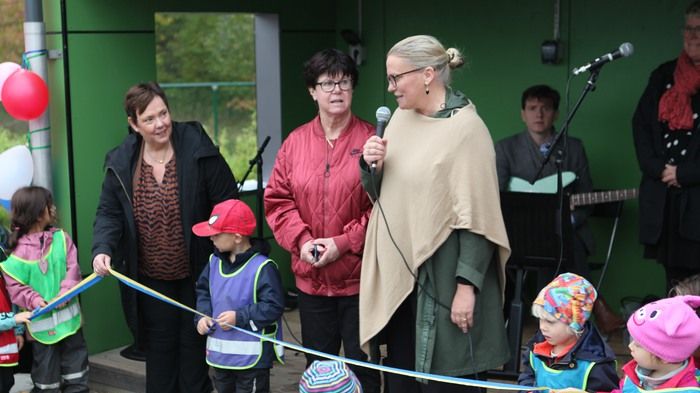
[162, 251]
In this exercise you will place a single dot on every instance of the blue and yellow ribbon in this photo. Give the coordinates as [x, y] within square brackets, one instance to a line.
[408, 373]
[81, 287]
[94, 279]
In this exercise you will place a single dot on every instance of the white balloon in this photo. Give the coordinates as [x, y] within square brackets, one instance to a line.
[17, 170]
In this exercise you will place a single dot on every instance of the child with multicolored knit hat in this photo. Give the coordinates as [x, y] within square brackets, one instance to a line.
[664, 333]
[329, 376]
[567, 350]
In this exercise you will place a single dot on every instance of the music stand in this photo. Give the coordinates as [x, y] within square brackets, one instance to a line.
[531, 223]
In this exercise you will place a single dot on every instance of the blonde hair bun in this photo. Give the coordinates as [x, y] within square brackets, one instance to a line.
[456, 59]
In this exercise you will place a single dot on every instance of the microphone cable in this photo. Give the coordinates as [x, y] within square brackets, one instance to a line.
[373, 182]
[560, 258]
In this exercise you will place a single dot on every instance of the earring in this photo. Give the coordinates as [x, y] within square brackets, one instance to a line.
[427, 89]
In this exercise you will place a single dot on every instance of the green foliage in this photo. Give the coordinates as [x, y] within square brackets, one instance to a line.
[212, 48]
[11, 32]
[4, 218]
[10, 138]
[205, 47]
[239, 147]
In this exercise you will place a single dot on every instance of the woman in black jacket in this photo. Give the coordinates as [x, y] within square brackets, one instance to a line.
[162, 179]
[667, 141]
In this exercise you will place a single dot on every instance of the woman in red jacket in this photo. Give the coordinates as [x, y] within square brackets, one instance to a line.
[318, 210]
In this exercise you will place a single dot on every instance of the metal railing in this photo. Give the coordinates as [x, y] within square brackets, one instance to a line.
[215, 95]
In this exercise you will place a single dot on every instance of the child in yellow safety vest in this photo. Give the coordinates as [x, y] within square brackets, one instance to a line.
[42, 266]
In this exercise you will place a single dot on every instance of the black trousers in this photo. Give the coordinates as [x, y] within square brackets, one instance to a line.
[175, 352]
[400, 337]
[61, 367]
[7, 378]
[254, 380]
[326, 322]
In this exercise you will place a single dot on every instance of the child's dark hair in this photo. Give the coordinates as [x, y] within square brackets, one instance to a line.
[28, 207]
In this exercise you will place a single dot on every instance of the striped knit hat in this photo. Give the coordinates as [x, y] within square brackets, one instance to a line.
[329, 376]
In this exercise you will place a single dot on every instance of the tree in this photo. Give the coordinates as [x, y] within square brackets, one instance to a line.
[11, 48]
[211, 48]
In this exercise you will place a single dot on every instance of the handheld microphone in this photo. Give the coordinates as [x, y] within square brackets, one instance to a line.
[625, 50]
[383, 115]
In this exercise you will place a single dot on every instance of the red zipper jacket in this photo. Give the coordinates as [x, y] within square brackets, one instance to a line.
[314, 191]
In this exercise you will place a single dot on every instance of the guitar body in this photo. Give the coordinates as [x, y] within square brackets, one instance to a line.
[546, 185]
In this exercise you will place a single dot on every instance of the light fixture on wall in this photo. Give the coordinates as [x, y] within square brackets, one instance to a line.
[550, 52]
[355, 49]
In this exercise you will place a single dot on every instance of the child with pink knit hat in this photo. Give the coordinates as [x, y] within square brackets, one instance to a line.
[664, 333]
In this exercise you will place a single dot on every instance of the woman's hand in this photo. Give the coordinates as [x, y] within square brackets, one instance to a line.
[101, 264]
[328, 252]
[306, 253]
[462, 312]
[668, 176]
[20, 341]
[374, 151]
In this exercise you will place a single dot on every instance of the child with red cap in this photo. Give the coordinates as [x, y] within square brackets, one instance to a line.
[240, 287]
[567, 350]
[664, 333]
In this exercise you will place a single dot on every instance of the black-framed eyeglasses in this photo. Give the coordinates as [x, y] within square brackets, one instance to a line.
[691, 29]
[394, 79]
[329, 85]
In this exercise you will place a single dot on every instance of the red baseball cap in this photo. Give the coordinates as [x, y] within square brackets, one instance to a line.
[230, 216]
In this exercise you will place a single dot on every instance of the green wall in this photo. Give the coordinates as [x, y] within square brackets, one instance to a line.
[110, 46]
[501, 41]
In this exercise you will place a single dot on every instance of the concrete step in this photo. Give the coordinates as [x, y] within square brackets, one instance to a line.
[112, 373]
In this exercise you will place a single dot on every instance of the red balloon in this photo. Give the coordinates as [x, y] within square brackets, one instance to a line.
[25, 95]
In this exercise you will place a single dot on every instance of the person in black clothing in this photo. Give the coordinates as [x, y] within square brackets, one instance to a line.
[163, 178]
[667, 143]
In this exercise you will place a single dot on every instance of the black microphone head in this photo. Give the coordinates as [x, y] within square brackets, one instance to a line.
[626, 49]
[383, 114]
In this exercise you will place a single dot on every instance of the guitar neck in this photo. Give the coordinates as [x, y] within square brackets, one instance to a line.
[592, 198]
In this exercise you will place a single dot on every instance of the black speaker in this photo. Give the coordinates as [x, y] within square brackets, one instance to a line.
[550, 52]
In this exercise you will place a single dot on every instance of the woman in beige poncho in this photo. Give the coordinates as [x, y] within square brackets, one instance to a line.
[440, 309]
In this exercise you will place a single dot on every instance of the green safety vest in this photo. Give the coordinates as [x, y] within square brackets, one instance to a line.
[58, 323]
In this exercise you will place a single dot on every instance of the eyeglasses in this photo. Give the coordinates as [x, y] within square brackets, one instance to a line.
[691, 29]
[329, 85]
[394, 79]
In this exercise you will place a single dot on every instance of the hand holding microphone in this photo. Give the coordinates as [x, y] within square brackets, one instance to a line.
[375, 147]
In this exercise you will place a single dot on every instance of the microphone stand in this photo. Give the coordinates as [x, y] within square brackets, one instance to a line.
[560, 156]
[257, 160]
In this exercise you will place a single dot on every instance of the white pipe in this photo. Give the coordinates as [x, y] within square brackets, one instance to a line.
[557, 18]
[39, 128]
